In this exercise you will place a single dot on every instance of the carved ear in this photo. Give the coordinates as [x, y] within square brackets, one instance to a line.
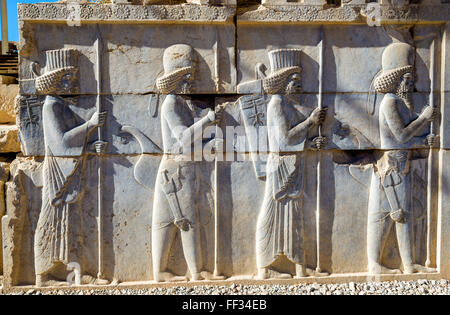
[33, 69]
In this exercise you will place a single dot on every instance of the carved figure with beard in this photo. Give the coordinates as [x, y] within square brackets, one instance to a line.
[390, 190]
[279, 229]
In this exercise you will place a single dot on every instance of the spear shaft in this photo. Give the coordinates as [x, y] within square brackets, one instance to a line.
[430, 160]
[319, 155]
[99, 147]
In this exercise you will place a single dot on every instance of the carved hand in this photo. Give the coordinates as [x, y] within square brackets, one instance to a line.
[183, 224]
[219, 113]
[98, 119]
[431, 140]
[430, 113]
[318, 115]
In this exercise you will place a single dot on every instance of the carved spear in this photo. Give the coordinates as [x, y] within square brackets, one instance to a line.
[319, 143]
[217, 271]
[100, 147]
[430, 138]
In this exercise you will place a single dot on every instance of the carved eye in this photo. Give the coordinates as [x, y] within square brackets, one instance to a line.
[66, 79]
[296, 77]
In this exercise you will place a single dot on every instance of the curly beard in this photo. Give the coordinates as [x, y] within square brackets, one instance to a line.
[185, 87]
[405, 93]
[292, 88]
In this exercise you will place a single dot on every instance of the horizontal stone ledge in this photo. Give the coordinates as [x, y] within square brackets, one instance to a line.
[243, 280]
[310, 14]
[81, 13]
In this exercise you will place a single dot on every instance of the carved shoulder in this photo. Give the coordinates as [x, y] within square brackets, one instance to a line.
[388, 104]
[51, 104]
[169, 105]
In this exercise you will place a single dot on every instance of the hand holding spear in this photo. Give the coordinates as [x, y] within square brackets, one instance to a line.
[431, 139]
[319, 142]
[100, 146]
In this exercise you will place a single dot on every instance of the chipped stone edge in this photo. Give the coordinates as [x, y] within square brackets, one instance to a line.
[91, 12]
[345, 14]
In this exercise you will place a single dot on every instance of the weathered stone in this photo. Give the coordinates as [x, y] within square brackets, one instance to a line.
[9, 141]
[7, 95]
[135, 144]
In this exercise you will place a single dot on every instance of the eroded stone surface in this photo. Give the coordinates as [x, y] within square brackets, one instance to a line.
[324, 129]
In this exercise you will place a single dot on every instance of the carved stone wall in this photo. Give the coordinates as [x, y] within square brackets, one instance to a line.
[190, 142]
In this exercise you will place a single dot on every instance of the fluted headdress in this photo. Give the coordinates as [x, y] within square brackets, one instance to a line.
[283, 63]
[58, 63]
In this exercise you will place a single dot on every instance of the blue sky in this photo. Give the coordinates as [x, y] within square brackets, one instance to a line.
[13, 25]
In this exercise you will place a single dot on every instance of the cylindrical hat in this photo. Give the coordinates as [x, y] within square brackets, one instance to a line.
[397, 55]
[59, 59]
[178, 57]
[397, 59]
[284, 58]
[283, 63]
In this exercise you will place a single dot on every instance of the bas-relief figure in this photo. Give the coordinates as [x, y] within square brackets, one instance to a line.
[175, 204]
[391, 184]
[279, 230]
[58, 235]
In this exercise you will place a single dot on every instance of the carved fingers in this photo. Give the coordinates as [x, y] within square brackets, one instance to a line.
[183, 224]
[98, 119]
[318, 115]
[431, 140]
[430, 113]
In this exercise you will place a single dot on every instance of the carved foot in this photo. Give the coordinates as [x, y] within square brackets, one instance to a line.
[197, 276]
[315, 273]
[418, 268]
[377, 269]
[265, 273]
[169, 277]
[88, 279]
[300, 271]
[39, 281]
[210, 276]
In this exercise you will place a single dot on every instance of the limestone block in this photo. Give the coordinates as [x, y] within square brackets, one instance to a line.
[7, 96]
[9, 141]
[132, 53]
[445, 88]
[352, 122]
[23, 201]
[340, 213]
[4, 177]
[128, 199]
[346, 49]
[142, 112]
[285, 2]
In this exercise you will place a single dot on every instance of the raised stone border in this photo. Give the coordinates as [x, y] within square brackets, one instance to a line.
[123, 12]
[344, 14]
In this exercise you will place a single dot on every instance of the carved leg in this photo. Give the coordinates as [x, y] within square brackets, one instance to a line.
[378, 228]
[40, 281]
[300, 271]
[404, 239]
[162, 240]
[263, 273]
[192, 251]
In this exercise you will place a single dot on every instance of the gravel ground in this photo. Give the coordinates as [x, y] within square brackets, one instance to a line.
[419, 287]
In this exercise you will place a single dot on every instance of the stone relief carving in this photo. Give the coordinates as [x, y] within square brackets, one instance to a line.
[268, 224]
[176, 188]
[65, 143]
[279, 230]
[130, 12]
[391, 184]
